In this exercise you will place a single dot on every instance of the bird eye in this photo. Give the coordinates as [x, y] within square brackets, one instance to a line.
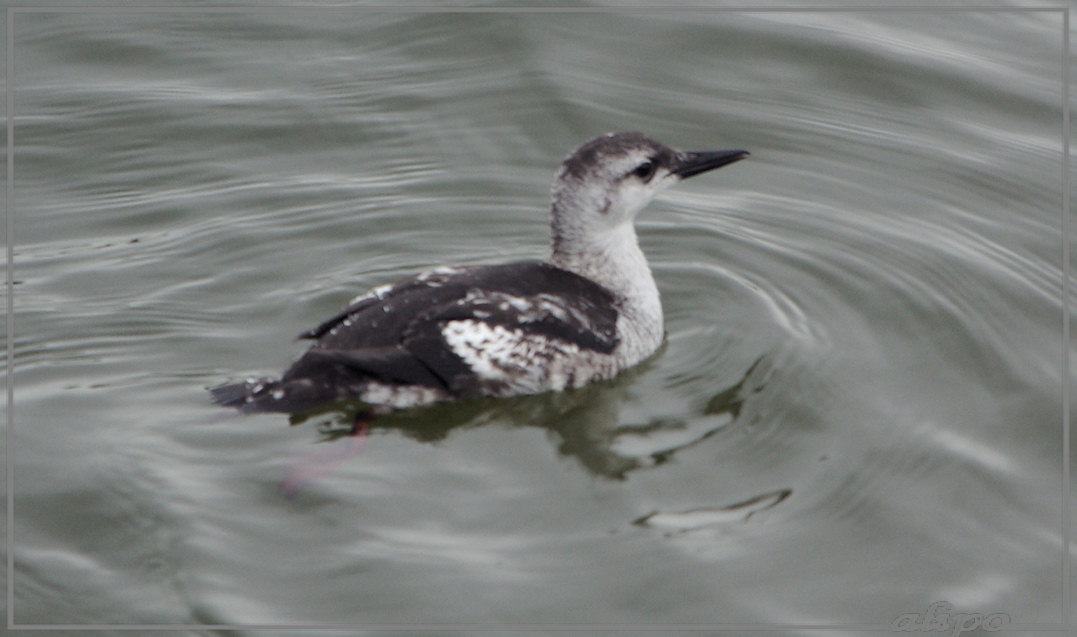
[645, 171]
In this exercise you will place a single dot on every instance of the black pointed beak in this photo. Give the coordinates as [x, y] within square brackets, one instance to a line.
[691, 163]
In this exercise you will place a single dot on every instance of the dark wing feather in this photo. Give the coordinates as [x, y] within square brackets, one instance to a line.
[379, 318]
[395, 333]
[386, 364]
[357, 306]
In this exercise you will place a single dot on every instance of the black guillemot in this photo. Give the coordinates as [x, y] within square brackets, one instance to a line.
[587, 313]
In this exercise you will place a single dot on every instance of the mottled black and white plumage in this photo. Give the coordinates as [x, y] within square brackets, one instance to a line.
[586, 314]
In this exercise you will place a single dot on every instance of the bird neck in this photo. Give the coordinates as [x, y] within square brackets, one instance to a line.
[613, 259]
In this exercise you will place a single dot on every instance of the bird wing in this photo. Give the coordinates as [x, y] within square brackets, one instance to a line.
[492, 342]
[466, 330]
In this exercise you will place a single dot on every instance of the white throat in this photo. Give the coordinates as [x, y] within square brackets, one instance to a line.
[613, 258]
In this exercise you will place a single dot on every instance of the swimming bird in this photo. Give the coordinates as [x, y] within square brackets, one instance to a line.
[584, 314]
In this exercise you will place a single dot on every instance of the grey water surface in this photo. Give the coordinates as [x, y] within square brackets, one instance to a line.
[857, 412]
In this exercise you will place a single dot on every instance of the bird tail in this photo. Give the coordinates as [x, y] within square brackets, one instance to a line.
[232, 395]
[271, 394]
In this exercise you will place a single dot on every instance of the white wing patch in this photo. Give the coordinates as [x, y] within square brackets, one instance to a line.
[510, 361]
